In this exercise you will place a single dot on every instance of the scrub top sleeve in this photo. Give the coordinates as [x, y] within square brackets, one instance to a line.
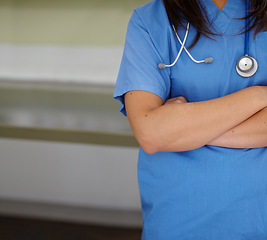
[139, 66]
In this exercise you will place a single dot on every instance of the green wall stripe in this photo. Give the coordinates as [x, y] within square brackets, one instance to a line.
[68, 136]
[65, 22]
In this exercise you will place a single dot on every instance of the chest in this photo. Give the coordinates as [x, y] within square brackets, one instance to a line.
[199, 82]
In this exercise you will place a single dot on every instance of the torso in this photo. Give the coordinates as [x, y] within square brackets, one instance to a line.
[211, 192]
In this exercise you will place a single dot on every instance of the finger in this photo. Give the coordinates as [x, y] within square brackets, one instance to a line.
[176, 100]
[182, 99]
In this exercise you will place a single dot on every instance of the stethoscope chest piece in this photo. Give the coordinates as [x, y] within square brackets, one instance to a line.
[246, 66]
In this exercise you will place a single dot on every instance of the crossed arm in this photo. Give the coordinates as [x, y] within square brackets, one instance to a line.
[238, 120]
[251, 133]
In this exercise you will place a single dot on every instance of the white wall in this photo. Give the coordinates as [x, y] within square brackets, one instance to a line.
[60, 41]
[70, 174]
[61, 64]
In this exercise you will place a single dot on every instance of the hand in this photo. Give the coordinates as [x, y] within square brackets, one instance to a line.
[176, 100]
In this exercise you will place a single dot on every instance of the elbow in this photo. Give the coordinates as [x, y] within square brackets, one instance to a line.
[151, 143]
[147, 141]
[148, 148]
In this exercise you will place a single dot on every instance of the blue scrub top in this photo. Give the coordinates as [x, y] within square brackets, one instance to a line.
[211, 193]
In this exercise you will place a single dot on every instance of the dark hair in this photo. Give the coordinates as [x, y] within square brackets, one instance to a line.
[194, 12]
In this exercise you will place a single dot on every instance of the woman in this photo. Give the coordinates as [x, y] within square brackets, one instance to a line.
[202, 128]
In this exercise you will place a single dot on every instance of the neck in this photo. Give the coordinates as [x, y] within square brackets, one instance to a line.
[220, 3]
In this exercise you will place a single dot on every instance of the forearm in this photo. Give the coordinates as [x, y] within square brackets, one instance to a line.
[182, 127]
[251, 133]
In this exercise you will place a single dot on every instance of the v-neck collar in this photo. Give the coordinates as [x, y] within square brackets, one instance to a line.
[222, 18]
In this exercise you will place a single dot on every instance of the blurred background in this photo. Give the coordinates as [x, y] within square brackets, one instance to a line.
[68, 158]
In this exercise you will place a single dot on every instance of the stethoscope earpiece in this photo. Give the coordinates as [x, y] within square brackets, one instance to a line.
[246, 66]
[206, 60]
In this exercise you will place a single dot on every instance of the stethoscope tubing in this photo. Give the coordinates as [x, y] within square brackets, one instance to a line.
[246, 50]
[246, 65]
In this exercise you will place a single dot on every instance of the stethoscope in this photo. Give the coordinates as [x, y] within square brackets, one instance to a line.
[246, 66]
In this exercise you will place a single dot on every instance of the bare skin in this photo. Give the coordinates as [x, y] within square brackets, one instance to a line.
[220, 3]
[251, 133]
[177, 125]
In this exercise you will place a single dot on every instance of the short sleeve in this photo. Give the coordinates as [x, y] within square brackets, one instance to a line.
[139, 66]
